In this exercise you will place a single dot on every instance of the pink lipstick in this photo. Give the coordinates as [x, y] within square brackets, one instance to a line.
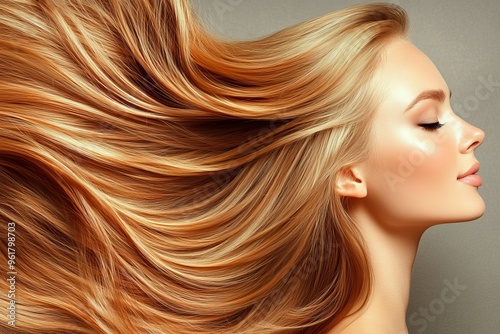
[470, 176]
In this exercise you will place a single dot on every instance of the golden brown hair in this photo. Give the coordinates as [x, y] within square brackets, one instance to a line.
[162, 180]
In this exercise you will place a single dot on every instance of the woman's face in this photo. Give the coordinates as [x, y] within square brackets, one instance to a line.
[412, 173]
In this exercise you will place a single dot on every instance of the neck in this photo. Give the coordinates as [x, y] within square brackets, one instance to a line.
[391, 251]
[391, 254]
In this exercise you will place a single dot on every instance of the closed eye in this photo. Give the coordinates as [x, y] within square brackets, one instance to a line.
[431, 126]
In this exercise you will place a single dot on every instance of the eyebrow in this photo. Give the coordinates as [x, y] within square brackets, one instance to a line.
[433, 94]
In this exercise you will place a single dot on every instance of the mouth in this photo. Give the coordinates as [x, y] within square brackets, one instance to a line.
[470, 177]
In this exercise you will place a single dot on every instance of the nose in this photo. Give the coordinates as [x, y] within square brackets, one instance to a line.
[472, 138]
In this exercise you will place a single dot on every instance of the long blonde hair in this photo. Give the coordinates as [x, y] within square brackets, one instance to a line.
[162, 180]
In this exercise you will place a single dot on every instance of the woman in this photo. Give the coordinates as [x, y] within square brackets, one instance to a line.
[163, 181]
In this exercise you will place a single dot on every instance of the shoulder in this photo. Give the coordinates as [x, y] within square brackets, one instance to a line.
[365, 325]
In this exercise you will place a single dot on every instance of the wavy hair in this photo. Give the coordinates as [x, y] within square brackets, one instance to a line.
[163, 180]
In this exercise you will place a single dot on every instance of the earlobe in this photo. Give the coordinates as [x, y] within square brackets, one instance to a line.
[350, 183]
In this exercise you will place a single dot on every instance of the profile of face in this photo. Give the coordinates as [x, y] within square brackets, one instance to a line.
[419, 148]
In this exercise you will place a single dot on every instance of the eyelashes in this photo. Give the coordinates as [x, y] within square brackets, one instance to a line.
[431, 126]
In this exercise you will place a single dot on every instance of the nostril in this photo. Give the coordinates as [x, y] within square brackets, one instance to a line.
[476, 138]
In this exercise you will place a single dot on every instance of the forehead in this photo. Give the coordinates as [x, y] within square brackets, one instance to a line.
[405, 72]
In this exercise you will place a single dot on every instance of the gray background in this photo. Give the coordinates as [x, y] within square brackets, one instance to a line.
[463, 40]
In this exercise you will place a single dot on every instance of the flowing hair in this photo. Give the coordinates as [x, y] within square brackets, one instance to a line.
[162, 180]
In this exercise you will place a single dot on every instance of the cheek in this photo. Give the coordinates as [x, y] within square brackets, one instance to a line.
[427, 162]
[412, 173]
[415, 159]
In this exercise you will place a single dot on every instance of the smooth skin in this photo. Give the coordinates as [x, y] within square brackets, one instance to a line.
[408, 183]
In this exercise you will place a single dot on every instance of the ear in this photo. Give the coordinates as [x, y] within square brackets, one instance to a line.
[350, 182]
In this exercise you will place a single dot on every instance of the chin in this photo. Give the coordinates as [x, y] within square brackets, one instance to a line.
[465, 212]
[477, 208]
[471, 211]
[475, 215]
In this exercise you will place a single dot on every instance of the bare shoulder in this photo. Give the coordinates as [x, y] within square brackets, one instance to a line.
[364, 329]
[366, 325]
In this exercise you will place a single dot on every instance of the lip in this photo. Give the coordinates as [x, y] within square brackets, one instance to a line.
[470, 177]
[473, 170]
